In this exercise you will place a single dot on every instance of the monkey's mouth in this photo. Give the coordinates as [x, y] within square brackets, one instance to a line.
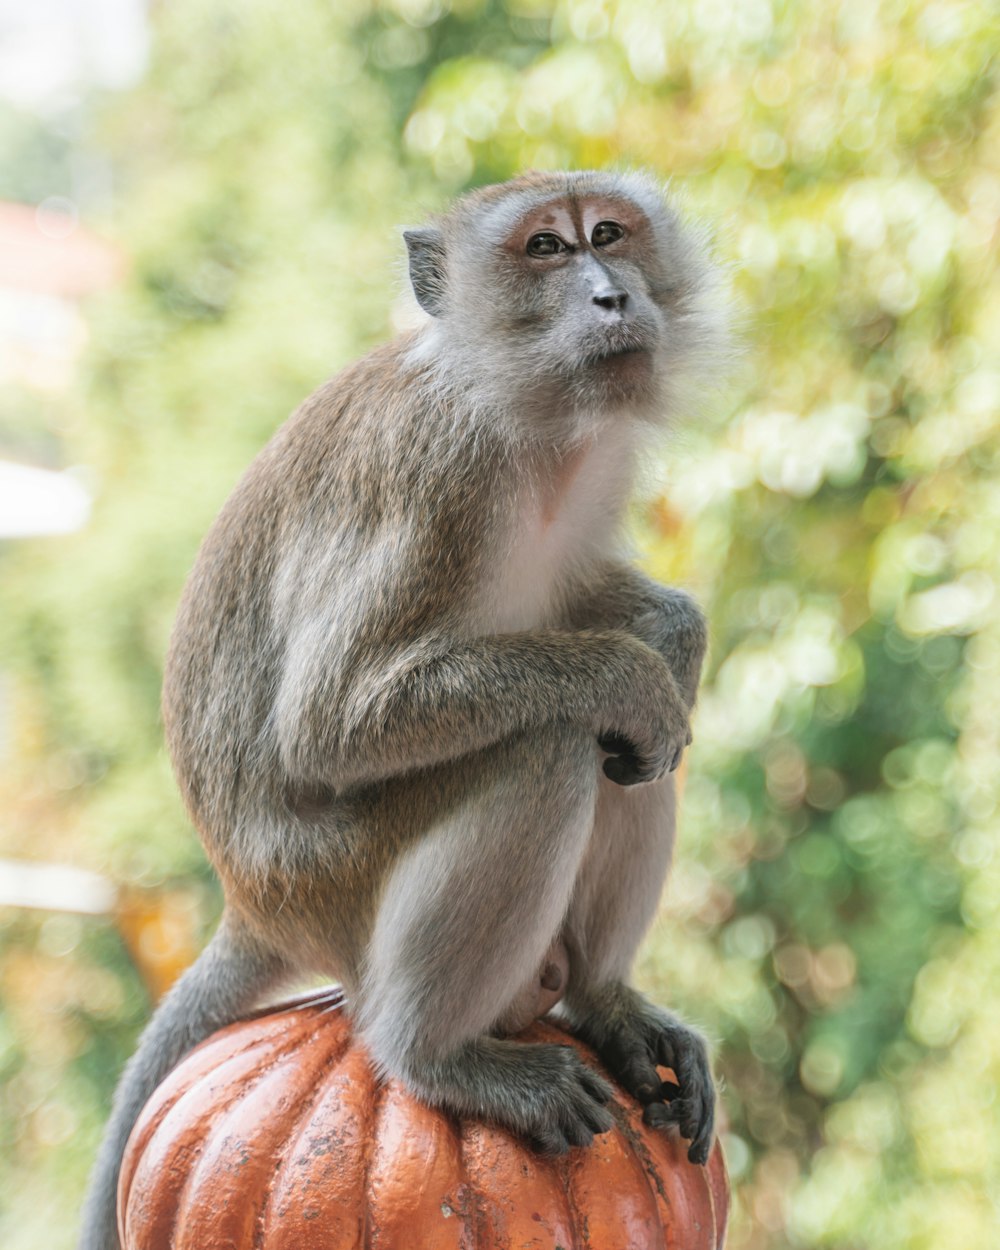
[618, 351]
[631, 350]
[618, 346]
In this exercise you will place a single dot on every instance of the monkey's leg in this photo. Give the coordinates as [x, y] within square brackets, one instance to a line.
[616, 896]
[466, 918]
[227, 980]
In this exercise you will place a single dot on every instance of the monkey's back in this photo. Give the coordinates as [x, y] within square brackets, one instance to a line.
[341, 525]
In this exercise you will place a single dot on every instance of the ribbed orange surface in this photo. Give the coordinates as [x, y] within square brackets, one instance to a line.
[275, 1134]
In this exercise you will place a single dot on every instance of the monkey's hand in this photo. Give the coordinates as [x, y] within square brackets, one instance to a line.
[633, 1038]
[649, 739]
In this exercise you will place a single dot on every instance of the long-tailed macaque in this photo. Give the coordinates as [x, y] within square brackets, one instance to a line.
[422, 709]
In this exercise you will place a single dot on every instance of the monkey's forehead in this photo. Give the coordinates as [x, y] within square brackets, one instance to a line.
[498, 209]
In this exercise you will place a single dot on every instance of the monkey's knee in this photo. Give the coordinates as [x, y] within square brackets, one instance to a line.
[558, 762]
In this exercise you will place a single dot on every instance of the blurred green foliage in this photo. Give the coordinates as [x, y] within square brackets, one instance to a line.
[834, 918]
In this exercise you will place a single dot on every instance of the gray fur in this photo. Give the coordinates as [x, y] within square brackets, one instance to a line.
[400, 645]
[427, 268]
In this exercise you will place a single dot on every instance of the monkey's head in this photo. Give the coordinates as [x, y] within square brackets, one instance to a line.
[567, 291]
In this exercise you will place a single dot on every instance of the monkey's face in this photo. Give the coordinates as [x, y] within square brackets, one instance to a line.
[578, 277]
[570, 288]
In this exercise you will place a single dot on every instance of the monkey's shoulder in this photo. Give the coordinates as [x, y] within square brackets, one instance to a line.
[372, 494]
[376, 444]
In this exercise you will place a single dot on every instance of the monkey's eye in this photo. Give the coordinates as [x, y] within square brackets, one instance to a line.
[545, 244]
[606, 232]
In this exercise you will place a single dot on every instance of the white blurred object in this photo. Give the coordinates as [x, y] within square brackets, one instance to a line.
[38, 501]
[54, 887]
[52, 48]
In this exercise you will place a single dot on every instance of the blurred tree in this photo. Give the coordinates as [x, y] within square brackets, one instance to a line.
[38, 156]
[833, 919]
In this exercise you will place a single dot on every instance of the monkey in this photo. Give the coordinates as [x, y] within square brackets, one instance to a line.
[423, 709]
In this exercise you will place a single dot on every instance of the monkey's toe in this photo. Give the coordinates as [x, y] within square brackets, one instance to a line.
[648, 1040]
[629, 1057]
[690, 1102]
[564, 1101]
[690, 1119]
[548, 1142]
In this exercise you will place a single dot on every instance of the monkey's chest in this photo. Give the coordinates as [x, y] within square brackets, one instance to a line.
[563, 527]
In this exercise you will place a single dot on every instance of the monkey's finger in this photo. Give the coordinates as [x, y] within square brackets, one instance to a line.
[615, 744]
[668, 1091]
[623, 770]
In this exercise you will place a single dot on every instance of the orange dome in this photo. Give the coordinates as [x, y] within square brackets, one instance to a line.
[276, 1134]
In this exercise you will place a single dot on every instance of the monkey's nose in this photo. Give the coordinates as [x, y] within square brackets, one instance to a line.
[613, 301]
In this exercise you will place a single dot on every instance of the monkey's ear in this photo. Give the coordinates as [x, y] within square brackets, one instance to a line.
[426, 249]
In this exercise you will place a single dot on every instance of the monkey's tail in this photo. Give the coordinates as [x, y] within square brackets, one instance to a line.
[223, 984]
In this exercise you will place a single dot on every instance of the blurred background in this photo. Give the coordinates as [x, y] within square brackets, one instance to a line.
[199, 212]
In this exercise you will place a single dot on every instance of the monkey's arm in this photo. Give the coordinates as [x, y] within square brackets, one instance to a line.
[425, 703]
[663, 617]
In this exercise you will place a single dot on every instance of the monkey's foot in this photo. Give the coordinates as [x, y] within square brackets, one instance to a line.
[540, 1091]
[632, 1038]
[565, 1103]
[690, 1103]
